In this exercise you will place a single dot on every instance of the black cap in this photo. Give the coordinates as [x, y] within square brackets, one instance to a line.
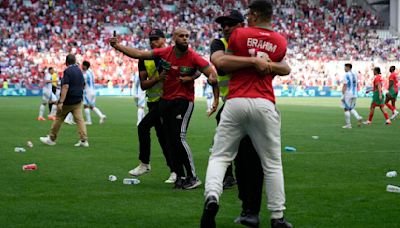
[234, 15]
[156, 33]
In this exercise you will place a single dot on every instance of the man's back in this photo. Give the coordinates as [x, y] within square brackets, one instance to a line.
[254, 42]
[351, 83]
[74, 78]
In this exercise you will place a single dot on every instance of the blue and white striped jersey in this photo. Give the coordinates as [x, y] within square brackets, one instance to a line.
[350, 79]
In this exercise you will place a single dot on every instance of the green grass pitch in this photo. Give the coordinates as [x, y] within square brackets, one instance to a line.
[337, 180]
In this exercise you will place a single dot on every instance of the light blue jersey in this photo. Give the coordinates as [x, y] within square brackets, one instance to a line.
[89, 79]
[350, 79]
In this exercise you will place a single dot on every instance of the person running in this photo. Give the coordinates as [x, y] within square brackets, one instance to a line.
[391, 95]
[89, 96]
[176, 104]
[378, 99]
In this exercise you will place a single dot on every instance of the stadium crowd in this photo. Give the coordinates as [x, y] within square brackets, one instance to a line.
[38, 34]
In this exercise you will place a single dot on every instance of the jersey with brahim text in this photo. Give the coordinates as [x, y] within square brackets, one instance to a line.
[255, 42]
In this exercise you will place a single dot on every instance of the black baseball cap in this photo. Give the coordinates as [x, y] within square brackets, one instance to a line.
[233, 15]
[156, 33]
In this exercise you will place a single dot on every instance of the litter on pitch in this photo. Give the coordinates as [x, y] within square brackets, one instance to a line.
[19, 149]
[290, 149]
[392, 188]
[315, 137]
[391, 174]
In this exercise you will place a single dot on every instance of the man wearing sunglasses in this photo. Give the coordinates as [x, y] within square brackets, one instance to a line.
[249, 110]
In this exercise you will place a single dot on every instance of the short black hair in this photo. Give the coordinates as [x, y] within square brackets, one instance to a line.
[263, 7]
[70, 59]
[50, 68]
[348, 65]
[86, 64]
[377, 70]
[392, 69]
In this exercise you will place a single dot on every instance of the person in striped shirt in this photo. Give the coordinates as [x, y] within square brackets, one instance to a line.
[349, 91]
[89, 99]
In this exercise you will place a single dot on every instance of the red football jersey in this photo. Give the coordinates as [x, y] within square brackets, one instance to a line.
[393, 77]
[254, 41]
[377, 80]
[185, 65]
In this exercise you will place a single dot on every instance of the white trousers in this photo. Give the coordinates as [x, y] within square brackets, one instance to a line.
[258, 118]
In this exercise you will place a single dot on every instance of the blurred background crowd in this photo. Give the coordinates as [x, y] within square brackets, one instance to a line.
[322, 35]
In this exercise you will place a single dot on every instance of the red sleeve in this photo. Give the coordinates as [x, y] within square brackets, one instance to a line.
[281, 51]
[232, 46]
[200, 62]
[158, 52]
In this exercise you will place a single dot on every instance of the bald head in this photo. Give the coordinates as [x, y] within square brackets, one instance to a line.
[181, 39]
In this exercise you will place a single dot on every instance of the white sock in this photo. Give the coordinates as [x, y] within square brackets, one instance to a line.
[140, 115]
[41, 110]
[53, 110]
[355, 114]
[87, 114]
[209, 104]
[347, 117]
[98, 112]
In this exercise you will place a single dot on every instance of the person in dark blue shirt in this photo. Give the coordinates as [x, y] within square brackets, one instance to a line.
[72, 85]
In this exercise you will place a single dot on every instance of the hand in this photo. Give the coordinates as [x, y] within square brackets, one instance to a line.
[212, 79]
[262, 65]
[162, 76]
[113, 40]
[59, 107]
[213, 108]
[185, 79]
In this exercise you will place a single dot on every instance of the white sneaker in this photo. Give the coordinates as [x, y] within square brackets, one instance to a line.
[47, 140]
[82, 143]
[348, 126]
[102, 119]
[171, 179]
[88, 123]
[395, 114]
[367, 122]
[140, 169]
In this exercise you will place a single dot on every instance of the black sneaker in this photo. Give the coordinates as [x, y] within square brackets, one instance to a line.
[229, 182]
[280, 223]
[210, 211]
[250, 220]
[179, 182]
[191, 183]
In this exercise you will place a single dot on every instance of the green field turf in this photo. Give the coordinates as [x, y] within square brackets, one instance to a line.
[337, 180]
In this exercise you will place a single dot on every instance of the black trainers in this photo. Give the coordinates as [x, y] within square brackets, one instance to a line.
[250, 220]
[210, 211]
[191, 183]
[280, 223]
[179, 182]
[229, 182]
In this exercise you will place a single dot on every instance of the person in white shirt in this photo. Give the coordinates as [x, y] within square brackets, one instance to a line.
[89, 96]
[349, 96]
[48, 97]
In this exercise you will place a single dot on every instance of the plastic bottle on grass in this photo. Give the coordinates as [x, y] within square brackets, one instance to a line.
[392, 188]
[131, 181]
[290, 149]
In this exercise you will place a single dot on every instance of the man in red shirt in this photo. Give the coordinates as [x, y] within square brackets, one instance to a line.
[249, 110]
[377, 98]
[176, 104]
[391, 95]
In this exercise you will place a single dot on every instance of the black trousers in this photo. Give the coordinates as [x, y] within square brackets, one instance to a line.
[175, 117]
[151, 119]
[249, 174]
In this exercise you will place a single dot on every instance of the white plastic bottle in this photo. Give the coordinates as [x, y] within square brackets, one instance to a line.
[392, 188]
[131, 181]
